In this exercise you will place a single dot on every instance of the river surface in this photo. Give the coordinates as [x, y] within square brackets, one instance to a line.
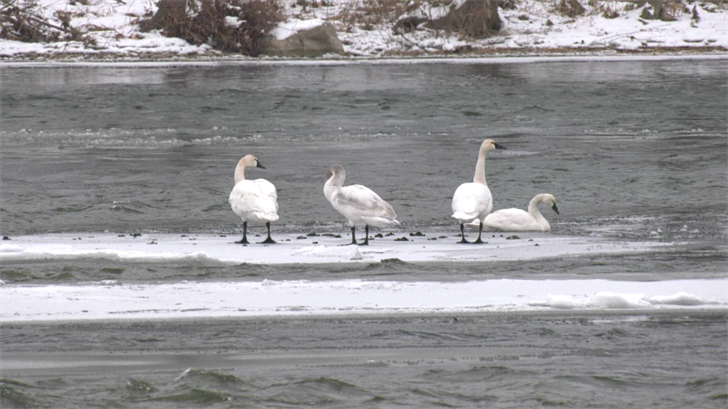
[632, 150]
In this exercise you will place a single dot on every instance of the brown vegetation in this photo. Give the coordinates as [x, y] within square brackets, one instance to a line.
[24, 22]
[207, 22]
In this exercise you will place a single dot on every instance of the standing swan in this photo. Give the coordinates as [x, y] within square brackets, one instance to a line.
[473, 200]
[519, 220]
[359, 204]
[253, 200]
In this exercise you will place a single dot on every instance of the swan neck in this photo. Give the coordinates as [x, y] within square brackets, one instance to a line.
[333, 184]
[480, 169]
[536, 214]
[239, 173]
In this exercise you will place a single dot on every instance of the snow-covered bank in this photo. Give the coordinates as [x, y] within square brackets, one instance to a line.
[305, 249]
[530, 26]
[202, 62]
[112, 300]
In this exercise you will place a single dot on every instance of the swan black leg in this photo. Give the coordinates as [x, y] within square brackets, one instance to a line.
[480, 231]
[244, 240]
[366, 238]
[353, 235]
[462, 233]
[269, 240]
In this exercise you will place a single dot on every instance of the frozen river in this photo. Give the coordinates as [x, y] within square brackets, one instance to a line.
[122, 287]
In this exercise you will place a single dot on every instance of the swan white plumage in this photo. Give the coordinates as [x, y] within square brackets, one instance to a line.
[520, 220]
[253, 200]
[473, 201]
[359, 204]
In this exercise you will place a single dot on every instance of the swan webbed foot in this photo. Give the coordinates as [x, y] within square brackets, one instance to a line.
[268, 240]
[244, 241]
[462, 234]
[479, 241]
[366, 236]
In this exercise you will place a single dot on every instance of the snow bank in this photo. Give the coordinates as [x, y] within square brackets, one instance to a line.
[292, 26]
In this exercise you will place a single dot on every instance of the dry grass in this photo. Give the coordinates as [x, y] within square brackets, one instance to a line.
[672, 10]
[608, 9]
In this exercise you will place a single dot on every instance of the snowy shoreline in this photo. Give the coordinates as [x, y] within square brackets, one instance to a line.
[222, 61]
[530, 27]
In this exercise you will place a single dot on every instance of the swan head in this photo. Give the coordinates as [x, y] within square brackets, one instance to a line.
[551, 201]
[490, 144]
[245, 162]
[336, 170]
[250, 161]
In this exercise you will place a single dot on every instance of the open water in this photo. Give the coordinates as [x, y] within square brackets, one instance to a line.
[632, 150]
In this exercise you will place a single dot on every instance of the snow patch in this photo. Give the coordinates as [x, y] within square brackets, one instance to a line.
[293, 26]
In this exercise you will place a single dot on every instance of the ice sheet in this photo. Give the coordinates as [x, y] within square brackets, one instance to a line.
[301, 248]
[113, 300]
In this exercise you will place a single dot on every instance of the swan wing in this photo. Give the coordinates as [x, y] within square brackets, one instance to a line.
[471, 201]
[255, 200]
[511, 220]
[358, 202]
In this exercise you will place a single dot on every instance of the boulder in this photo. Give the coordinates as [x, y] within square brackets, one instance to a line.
[474, 18]
[655, 10]
[313, 42]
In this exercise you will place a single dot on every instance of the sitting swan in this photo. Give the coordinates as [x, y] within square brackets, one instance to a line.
[359, 204]
[253, 200]
[519, 220]
[473, 201]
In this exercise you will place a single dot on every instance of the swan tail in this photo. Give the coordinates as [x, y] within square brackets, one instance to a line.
[464, 217]
[380, 221]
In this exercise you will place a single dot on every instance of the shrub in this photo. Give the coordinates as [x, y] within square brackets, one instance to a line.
[24, 21]
[226, 25]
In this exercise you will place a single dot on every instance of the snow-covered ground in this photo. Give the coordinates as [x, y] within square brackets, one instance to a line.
[533, 26]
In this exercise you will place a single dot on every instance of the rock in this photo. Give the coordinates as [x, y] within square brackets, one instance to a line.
[474, 18]
[314, 42]
[407, 25]
[571, 8]
[656, 11]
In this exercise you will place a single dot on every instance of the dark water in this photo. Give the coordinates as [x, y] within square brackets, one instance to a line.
[632, 150]
[642, 144]
[572, 360]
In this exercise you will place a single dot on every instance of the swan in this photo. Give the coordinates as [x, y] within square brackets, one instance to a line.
[473, 201]
[359, 204]
[520, 220]
[253, 200]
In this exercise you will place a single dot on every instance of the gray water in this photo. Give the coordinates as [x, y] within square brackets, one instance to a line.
[632, 150]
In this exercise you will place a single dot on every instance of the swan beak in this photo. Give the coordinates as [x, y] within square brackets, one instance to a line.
[258, 165]
[499, 146]
[556, 209]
